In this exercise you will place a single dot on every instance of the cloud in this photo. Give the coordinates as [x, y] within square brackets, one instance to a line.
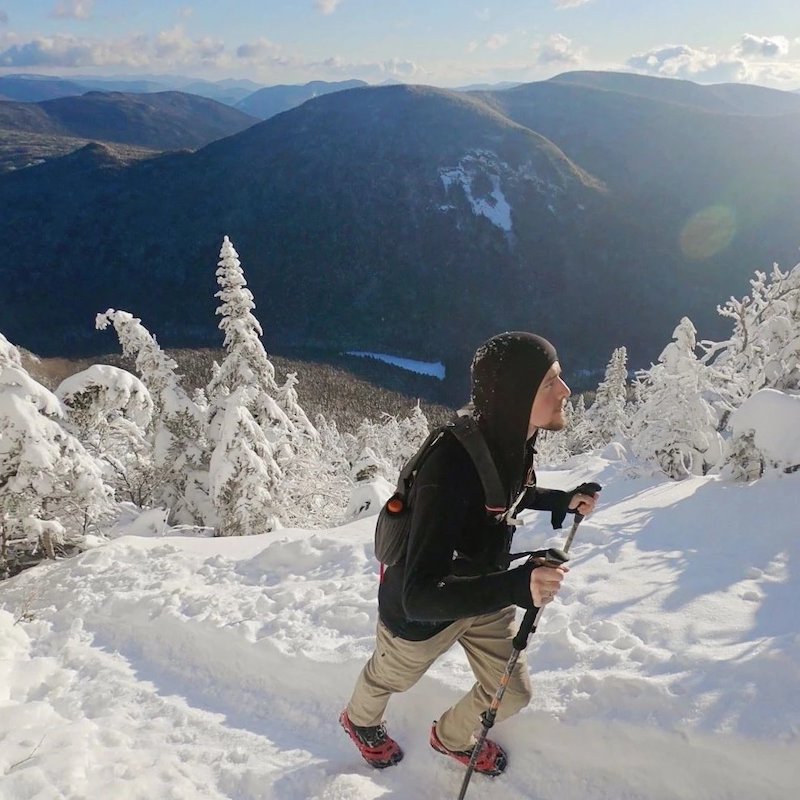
[259, 50]
[401, 68]
[185, 12]
[392, 69]
[483, 15]
[73, 9]
[558, 49]
[564, 4]
[174, 47]
[3, 17]
[751, 60]
[327, 6]
[762, 46]
[169, 48]
[496, 41]
[73, 51]
[683, 61]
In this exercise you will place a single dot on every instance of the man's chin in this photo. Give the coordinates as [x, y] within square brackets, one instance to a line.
[557, 424]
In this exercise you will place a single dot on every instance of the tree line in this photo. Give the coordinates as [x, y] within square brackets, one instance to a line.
[240, 455]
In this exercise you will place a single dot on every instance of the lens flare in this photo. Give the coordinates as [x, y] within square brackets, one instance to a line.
[708, 232]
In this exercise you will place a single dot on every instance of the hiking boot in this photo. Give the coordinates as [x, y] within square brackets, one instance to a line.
[375, 745]
[491, 761]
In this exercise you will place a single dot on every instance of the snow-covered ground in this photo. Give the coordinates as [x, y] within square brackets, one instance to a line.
[177, 667]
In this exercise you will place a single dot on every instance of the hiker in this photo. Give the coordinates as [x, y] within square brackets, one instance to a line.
[454, 583]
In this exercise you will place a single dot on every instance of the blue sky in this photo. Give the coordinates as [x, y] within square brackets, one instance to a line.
[445, 43]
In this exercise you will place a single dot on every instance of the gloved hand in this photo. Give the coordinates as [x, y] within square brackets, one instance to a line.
[583, 499]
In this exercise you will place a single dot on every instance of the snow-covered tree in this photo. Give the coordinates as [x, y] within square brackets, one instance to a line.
[606, 418]
[52, 492]
[377, 453]
[289, 403]
[764, 348]
[551, 448]
[577, 435]
[765, 436]
[110, 411]
[413, 431]
[316, 483]
[673, 422]
[9, 355]
[246, 363]
[391, 442]
[379, 443]
[180, 450]
[243, 474]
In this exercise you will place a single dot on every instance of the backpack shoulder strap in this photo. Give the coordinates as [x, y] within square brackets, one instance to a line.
[407, 473]
[466, 430]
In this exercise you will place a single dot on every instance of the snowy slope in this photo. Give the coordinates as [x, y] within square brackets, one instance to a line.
[187, 668]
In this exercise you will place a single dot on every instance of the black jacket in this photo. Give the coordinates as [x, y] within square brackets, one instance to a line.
[456, 563]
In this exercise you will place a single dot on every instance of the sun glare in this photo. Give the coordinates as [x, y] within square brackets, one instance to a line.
[708, 232]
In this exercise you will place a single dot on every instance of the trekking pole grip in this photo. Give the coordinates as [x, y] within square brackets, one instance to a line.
[520, 641]
[585, 488]
[553, 557]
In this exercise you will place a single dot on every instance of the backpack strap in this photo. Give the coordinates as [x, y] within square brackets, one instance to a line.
[466, 430]
[469, 435]
[407, 473]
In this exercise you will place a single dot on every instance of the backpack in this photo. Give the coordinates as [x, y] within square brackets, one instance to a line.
[394, 518]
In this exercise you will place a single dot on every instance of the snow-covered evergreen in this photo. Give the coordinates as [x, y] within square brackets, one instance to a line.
[673, 422]
[764, 347]
[289, 402]
[389, 442]
[180, 451]
[246, 364]
[607, 418]
[52, 492]
[316, 483]
[578, 434]
[110, 410]
[9, 355]
[765, 435]
[243, 475]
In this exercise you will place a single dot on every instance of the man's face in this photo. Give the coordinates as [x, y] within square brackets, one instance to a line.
[548, 409]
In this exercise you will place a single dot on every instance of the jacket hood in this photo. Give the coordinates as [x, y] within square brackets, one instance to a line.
[506, 373]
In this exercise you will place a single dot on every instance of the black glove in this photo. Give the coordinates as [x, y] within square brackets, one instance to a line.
[559, 513]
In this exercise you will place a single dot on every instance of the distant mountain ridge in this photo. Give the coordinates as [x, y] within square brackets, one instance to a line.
[160, 121]
[417, 221]
[726, 98]
[35, 88]
[272, 100]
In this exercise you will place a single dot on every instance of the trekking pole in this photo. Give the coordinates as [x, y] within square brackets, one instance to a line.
[551, 558]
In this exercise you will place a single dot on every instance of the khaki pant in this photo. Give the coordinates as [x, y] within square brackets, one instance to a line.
[397, 664]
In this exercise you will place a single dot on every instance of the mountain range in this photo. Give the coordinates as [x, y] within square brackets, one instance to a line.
[35, 88]
[159, 121]
[252, 98]
[272, 100]
[594, 208]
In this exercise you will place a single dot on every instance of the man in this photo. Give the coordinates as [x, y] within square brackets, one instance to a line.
[454, 584]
